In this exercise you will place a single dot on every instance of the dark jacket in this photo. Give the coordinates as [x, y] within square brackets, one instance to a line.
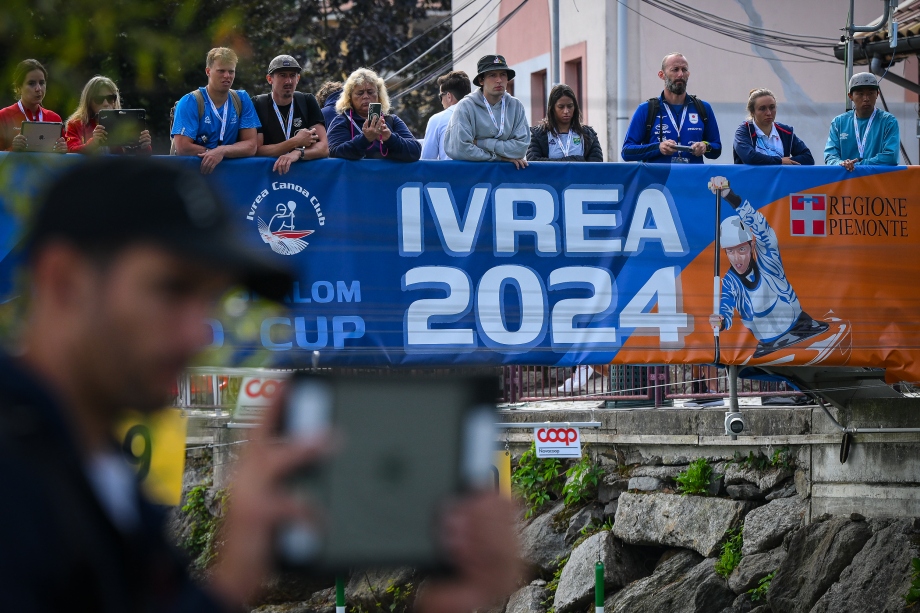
[60, 551]
[348, 142]
[329, 108]
[538, 151]
[745, 147]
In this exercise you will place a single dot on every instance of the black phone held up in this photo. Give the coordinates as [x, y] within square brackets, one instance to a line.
[406, 446]
[374, 111]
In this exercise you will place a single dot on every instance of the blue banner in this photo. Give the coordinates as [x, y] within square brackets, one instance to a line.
[454, 263]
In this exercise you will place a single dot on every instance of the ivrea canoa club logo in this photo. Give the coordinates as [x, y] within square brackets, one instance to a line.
[287, 207]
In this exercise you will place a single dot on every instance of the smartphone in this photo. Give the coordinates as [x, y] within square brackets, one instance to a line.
[686, 148]
[123, 126]
[374, 111]
[405, 447]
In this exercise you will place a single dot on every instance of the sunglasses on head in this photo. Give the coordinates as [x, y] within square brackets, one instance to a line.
[100, 99]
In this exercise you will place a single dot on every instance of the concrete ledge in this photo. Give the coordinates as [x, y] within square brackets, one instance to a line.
[868, 500]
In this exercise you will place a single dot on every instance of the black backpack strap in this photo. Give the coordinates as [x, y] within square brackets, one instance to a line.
[301, 100]
[653, 108]
[700, 109]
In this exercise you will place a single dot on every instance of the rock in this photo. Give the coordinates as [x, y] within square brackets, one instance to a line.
[538, 583]
[736, 474]
[716, 484]
[802, 483]
[693, 522]
[366, 588]
[765, 527]
[320, 602]
[645, 484]
[741, 604]
[682, 584]
[787, 491]
[528, 599]
[610, 510]
[818, 553]
[291, 586]
[576, 584]
[610, 488]
[744, 491]
[593, 513]
[664, 473]
[541, 544]
[753, 568]
[878, 576]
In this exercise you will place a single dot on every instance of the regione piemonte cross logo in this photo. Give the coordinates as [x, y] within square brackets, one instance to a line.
[808, 214]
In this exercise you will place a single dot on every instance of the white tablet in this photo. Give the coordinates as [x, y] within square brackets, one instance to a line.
[42, 135]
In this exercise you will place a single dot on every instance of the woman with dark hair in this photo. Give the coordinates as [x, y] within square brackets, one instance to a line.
[561, 137]
[763, 141]
[84, 134]
[29, 84]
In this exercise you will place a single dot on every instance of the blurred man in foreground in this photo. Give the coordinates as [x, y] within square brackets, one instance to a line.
[122, 280]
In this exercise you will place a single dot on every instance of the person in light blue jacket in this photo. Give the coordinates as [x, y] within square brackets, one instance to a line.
[865, 136]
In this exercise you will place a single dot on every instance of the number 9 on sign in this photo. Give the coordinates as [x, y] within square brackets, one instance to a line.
[137, 449]
[154, 445]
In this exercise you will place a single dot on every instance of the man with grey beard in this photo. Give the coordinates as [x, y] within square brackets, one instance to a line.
[676, 127]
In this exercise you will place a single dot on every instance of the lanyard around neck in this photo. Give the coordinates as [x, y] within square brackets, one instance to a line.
[290, 120]
[41, 114]
[683, 116]
[223, 120]
[500, 128]
[564, 145]
[861, 142]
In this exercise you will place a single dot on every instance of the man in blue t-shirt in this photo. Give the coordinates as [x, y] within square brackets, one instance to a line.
[215, 122]
[682, 129]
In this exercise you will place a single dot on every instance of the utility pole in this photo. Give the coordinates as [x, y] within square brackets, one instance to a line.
[890, 7]
[554, 35]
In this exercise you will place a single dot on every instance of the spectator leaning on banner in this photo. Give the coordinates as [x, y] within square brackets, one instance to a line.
[865, 136]
[761, 140]
[353, 137]
[561, 136]
[328, 94]
[453, 87]
[216, 122]
[489, 124]
[675, 118]
[84, 133]
[292, 127]
[30, 82]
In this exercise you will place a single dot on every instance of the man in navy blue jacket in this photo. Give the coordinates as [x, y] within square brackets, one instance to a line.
[676, 127]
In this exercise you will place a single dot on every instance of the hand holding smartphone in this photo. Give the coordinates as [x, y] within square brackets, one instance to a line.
[374, 111]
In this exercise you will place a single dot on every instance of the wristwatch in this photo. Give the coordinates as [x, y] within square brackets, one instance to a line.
[302, 150]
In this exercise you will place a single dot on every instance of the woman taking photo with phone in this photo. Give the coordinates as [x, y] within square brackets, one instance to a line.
[761, 140]
[30, 82]
[353, 136]
[561, 137]
[84, 134]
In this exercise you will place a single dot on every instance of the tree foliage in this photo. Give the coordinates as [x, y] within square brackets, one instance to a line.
[155, 49]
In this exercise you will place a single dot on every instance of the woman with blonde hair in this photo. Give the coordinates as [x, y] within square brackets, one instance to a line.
[84, 134]
[353, 137]
[761, 140]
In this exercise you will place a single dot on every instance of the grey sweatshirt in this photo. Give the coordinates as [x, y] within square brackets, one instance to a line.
[471, 121]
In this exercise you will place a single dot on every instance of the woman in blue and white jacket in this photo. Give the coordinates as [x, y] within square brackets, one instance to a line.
[763, 141]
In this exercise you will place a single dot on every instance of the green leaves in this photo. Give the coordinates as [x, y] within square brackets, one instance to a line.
[763, 585]
[582, 480]
[696, 479]
[731, 553]
[913, 594]
[535, 478]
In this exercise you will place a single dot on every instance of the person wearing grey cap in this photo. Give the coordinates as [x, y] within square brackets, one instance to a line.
[293, 128]
[865, 136]
[489, 124]
[126, 258]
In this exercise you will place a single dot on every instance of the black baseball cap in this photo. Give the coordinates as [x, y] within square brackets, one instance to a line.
[112, 202]
[488, 63]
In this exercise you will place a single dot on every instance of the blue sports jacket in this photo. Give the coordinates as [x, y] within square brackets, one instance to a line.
[745, 147]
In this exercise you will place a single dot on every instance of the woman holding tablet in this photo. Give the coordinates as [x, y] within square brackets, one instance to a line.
[29, 84]
[84, 134]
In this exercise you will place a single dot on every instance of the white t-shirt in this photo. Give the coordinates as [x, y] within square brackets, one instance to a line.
[570, 142]
[433, 149]
[769, 145]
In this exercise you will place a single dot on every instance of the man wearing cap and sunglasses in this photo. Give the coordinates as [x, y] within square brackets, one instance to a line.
[865, 136]
[489, 124]
[293, 128]
[121, 281]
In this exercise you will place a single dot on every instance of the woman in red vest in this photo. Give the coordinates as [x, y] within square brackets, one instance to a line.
[29, 83]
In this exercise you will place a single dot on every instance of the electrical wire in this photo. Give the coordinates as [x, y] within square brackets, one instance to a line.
[418, 37]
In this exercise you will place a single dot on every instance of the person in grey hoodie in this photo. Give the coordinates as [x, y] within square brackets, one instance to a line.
[489, 124]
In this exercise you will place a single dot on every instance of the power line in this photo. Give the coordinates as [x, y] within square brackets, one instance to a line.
[450, 17]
